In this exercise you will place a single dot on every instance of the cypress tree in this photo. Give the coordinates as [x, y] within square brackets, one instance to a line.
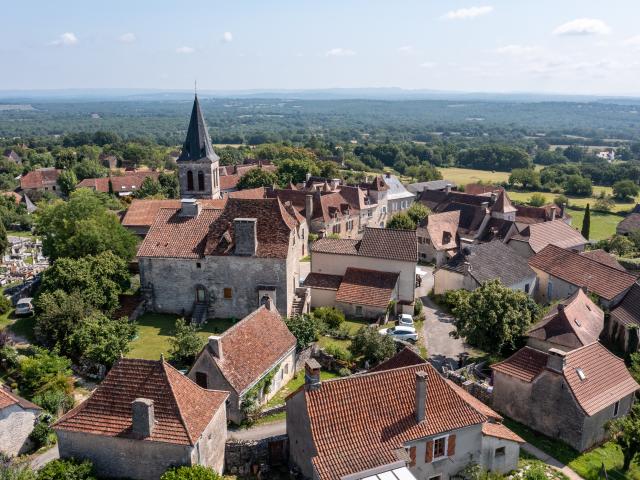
[110, 187]
[586, 222]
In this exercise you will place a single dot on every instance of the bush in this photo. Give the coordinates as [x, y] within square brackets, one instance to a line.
[15, 470]
[185, 343]
[55, 401]
[338, 353]
[417, 308]
[195, 472]
[304, 328]
[313, 237]
[537, 200]
[535, 472]
[559, 200]
[372, 346]
[42, 433]
[5, 304]
[67, 470]
[330, 316]
[45, 371]
[344, 372]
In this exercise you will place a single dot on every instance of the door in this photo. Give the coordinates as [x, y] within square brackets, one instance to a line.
[201, 295]
[277, 452]
[549, 290]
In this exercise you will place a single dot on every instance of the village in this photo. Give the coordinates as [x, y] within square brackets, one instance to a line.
[331, 329]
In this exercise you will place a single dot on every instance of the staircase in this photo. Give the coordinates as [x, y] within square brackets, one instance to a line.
[297, 306]
[199, 315]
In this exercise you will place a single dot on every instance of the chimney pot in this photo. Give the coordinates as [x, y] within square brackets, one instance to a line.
[142, 417]
[311, 375]
[308, 208]
[246, 236]
[215, 345]
[421, 396]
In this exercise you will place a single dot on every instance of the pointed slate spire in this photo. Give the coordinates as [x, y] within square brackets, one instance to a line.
[197, 145]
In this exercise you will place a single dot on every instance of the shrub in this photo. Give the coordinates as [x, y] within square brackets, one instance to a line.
[42, 433]
[559, 200]
[338, 353]
[15, 470]
[344, 372]
[185, 343]
[372, 346]
[537, 200]
[313, 237]
[304, 328]
[535, 472]
[55, 401]
[417, 307]
[5, 304]
[67, 470]
[330, 316]
[195, 472]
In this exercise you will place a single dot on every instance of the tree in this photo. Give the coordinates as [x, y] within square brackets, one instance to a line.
[526, 178]
[67, 181]
[625, 431]
[45, 371]
[620, 245]
[89, 169]
[578, 185]
[12, 470]
[634, 367]
[169, 184]
[83, 226]
[4, 241]
[493, 317]
[586, 222]
[561, 200]
[194, 472]
[185, 343]
[625, 189]
[604, 204]
[67, 470]
[330, 316]
[304, 328]
[371, 346]
[401, 221]
[417, 212]
[503, 158]
[424, 173]
[537, 200]
[150, 188]
[295, 170]
[257, 177]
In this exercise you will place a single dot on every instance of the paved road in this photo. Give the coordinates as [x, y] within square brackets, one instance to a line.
[259, 432]
[40, 460]
[549, 460]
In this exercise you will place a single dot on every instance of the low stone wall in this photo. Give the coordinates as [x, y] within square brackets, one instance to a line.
[302, 357]
[481, 391]
[255, 457]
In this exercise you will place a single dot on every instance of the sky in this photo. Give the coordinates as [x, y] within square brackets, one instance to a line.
[546, 46]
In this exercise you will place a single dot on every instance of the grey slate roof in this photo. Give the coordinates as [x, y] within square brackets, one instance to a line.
[630, 223]
[432, 185]
[197, 145]
[492, 260]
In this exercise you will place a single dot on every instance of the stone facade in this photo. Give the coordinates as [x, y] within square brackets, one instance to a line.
[204, 173]
[16, 423]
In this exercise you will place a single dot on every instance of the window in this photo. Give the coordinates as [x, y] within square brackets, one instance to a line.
[500, 451]
[201, 379]
[549, 290]
[526, 288]
[228, 293]
[336, 228]
[201, 295]
[200, 181]
[358, 311]
[198, 265]
[350, 225]
[286, 369]
[616, 408]
[370, 212]
[439, 447]
[384, 209]
[189, 180]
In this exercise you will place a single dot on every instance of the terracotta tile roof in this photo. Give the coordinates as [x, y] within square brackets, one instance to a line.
[8, 398]
[129, 182]
[576, 269]
[182, 409]
[479, 189]
[229, 182]
[572, 323]
[526, 364]
[174, 236]
[390, 244]
[603, 257]
[259, 192]
[252, 347]
[527, 214]
[498, 430]
[342, 246]
[443, 228]
[358, 422]
[404, 358]
[143, 212]
[367, 287]
[628, 311]
[556, 232]
[40, 178]
[323, 281]
[16, 196]
[630, 223]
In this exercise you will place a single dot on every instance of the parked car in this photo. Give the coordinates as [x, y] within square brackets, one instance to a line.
[24, 306]
[400, 332]
[405, 320]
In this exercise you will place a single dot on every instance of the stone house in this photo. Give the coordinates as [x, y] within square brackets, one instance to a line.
[565, 395]
[533, 238]
[12, 156]
[631, 222]
[17, 419]
[408, 417]
[480, 263]
[144, 418]
[362, 276]
[41, 180]
[624, 321]
[252, 360]
[399, 198]
[561, 272]
[209, 263]
[121, 185]
[438, 237]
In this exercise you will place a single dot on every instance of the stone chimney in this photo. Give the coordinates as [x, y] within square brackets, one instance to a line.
[494, 197]
[189, 207]
[215, 346]
[335, 182]
[142, 417]
[562, 208]
[556, 360]
[246, 236]
[447, 188]
[308, 208]
[421, 396]
[311, 375]
[553, 212]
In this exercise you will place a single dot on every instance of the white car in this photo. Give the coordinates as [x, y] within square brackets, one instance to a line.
[408, 334]
[405, 320]
[24, 306]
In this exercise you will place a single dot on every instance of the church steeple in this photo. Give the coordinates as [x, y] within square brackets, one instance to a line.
[197, 145]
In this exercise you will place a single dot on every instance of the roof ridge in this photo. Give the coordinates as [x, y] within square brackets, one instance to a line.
[578, 255]
[163, 366]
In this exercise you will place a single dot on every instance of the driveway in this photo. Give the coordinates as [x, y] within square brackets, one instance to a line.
[258, 432]
[442, 348]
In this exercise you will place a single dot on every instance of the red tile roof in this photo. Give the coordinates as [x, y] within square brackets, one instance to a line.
[40, 178]
[129, 182]
[404, 358]
[581, 271]
[252, 347]
[143, 212]
[358, 422]
[475, 403]
[439, 224]
[498, 430]
[259, 192]
[603, 257]
[182, 409]
[628, 311]
[367, 287]
[229, 182]
[323, 281]
[503, 203]
[526, 364]
[342, 246]
[573, 323]
[556, 232]
[8, 398]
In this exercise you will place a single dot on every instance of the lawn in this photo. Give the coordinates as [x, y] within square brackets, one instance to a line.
[603, 225]
[155, 330]
[462, 176]
[20, 233]
[353, 325]
[295, 383]
[587, 464]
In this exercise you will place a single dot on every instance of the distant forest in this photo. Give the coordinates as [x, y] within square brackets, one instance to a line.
[256, 121]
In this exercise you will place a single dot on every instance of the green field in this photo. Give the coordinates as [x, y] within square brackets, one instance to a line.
[462, 176]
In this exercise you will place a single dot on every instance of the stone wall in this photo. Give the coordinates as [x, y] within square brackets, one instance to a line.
[479, 390]
[253, 457]
[16, 424]
[302, 356]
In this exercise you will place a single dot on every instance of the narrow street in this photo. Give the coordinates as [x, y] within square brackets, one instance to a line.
[258, 432]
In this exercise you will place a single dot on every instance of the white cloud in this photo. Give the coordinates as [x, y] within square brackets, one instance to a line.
[517, 50]
[583, 26]
[406, 50]
[470, 12]
[227, 37]
[428, 64]
[127, 38]
[632, 42]
[340, 52]
[185, 50]
[66, 39]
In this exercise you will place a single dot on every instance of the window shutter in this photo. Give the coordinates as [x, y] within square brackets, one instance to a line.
[451, 447]
[412, 456]
[428, 454]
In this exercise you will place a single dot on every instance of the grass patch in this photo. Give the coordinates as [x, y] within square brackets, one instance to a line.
[587, 464]
[276, 417]
[603, 225]
[23, 327]
[306, 258]
[20, 233]
[155, 330]
[463, 176]
[295, 383]
[353, 325]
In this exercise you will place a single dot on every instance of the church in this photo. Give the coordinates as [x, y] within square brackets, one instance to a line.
[222, 260]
